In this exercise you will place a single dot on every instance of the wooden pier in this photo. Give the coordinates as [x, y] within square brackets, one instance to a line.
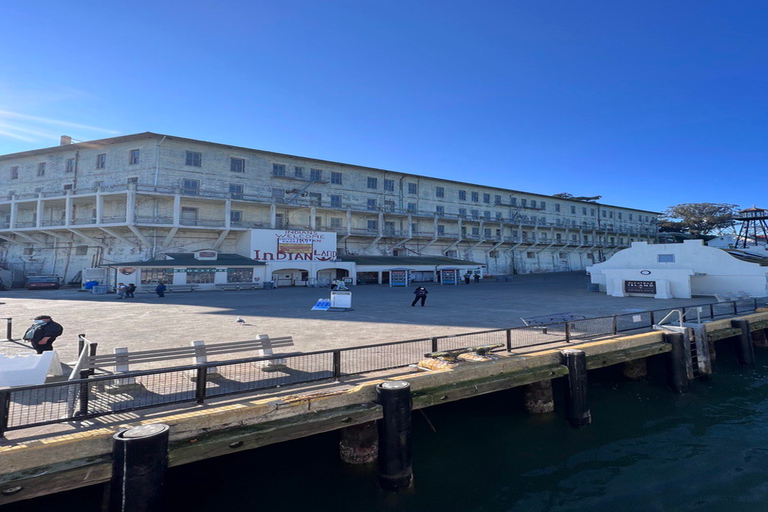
[84, 457]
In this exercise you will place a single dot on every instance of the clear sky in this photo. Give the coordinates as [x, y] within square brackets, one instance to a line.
[647, 103]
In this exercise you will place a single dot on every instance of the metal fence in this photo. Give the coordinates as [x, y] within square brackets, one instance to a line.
[86, 398]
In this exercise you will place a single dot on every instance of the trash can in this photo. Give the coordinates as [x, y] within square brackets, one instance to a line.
[99, 289]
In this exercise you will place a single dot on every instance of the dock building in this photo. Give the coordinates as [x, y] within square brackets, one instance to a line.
[139, 197]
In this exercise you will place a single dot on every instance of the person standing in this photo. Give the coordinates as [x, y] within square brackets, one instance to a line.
[120, 290]
[129, 290]
[421, 295]
[466, 278]
[477, 278]
[42, 333]
[160, 289]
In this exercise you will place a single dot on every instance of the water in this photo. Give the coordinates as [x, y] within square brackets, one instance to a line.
[647, 449]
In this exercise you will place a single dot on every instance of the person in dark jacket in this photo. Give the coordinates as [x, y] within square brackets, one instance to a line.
[129, 290]
[160, 289]
[421, 294]
[42, 333]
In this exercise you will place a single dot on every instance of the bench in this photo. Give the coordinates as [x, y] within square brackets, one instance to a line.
[236, 287]
[122, 359]
[176, 288]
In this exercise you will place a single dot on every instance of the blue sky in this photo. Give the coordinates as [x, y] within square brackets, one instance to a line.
[648, 104]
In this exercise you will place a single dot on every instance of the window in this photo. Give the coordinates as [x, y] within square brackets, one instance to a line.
[665, 258]
[512, 201]
[188, 216]
[413, 188]
[336, 178]
[81, 250]
[487, 215]
[315, 198]
[315, 175]
[239, 275]
[29, 251]
[487, 232]
[487, 198]
[630, 216]
[542, 205]
[497, 199]
[440, 210]
[373, 183]
[70, 165]
[389, 185]
[371, 204]
[389, 205]
[558, 237]
[493, 254]
[41, 169]
[278, 194]
[573, 210]
[475, 197]
[476, 231]
[133, 156]
[498, 216]
[156, 275]
[298, 172]
[524, 203]
[619, 215]
[236, 164]
[604, 213]
[462, 195]
[533, 203]
[475, 214]
[15, 172]
[530, 254]
[278, 170]
[441, 229]
[583, 210]
[411, 207]
[439, 191]
[194, 159]
[336, 222]
[236, 216]
[200, 275]
[373, 225]
[190, 187]
[133, 180]
[462, 212]
[101, 161]
[592, 212]
[335, 201]
[451, 254]
[236, 191]
[557, 208]
[389, 227]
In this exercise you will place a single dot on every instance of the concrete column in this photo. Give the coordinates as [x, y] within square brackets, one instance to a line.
[99, 206]
[227, 213]
[538, 397]
[130, 206]
[359, 444]
[176, 210]
[68, 209]
[40, 211]
[635, 369]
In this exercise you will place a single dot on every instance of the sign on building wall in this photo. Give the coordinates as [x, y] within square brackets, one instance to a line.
[290, 245]
[640, 287]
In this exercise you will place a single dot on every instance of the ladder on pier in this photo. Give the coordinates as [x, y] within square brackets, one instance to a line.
[699, 362]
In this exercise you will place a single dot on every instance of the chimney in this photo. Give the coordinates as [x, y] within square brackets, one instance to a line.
[65, 140]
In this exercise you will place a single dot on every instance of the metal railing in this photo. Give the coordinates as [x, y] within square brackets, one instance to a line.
[90, 397]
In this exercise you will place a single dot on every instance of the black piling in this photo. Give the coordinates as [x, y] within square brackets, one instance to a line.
[139, 463]
[395, 453]
[577, 408]
[677, 367]
[745, 352]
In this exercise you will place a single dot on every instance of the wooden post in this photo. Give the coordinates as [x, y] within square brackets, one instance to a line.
[139, 464]
[538, 397]
[745, 352]
[395, 453]
[677, 371]
[359, 444]
[576, 391]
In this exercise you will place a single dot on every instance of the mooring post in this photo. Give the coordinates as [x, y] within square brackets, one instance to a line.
[577, 408]
[538, 397]
[359, 444]
[677, 368]
[745, 352]
[395, 453]
[139, 464]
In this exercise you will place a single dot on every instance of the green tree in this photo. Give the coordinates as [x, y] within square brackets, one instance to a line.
[698, 219]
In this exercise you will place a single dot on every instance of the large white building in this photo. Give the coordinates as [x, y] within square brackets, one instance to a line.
[138, 197]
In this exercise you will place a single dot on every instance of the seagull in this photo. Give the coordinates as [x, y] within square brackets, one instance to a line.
[240, 320]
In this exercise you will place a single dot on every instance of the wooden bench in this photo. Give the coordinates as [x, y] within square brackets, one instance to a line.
[122, 359]
[236, 287]
[452, 355]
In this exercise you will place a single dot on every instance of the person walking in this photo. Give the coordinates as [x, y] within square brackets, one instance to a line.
[121, 290]
[42, 333]
[130, 289]
[421, 295]
[477, 278]
[466, 278]
[160, 289]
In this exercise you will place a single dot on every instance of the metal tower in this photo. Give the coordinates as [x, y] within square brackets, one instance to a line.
[752, 225]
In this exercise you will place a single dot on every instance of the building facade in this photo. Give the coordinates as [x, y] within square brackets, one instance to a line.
[137, 197]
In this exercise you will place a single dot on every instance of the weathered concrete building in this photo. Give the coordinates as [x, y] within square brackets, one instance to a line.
[140, 196]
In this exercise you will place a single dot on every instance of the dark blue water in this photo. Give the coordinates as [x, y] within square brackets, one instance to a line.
[647, 449]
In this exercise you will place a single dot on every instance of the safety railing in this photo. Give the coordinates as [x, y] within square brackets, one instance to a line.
[87, 397]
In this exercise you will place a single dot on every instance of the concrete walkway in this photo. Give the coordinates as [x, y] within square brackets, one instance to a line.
[380, 313]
